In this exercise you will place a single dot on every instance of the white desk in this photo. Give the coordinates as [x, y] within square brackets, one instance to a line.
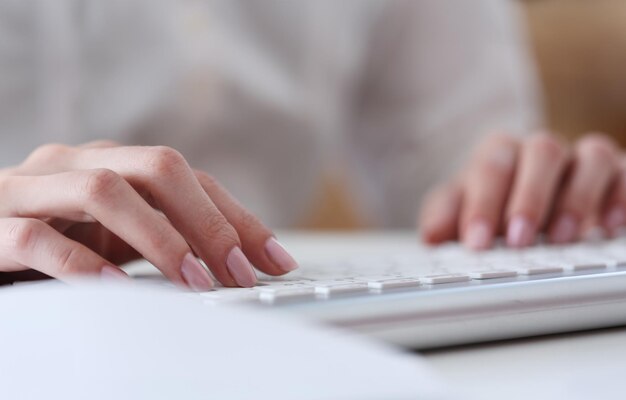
[586, 365]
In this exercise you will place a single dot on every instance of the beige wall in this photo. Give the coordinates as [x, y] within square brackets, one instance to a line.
[581, 49]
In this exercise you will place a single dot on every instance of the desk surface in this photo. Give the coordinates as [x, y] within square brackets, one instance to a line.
[583, 365]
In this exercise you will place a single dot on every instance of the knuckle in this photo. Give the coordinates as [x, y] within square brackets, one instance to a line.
[165, 160]
[597, 146]
[216, 227]
[24, 234]
[547, 145]
[68, 260]
[99, 184]
[47, 153]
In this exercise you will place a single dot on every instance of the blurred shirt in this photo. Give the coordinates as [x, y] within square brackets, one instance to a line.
[269, 95]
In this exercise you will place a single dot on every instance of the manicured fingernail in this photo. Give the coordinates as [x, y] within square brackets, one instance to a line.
[615, 218]
[277, 253]
[240, 268]
[564, 229]
[114, 274]
[521, 232]
[478, 235]
[194, 274]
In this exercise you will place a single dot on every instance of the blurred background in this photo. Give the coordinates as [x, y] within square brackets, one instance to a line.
[580, 49]
[279, 99]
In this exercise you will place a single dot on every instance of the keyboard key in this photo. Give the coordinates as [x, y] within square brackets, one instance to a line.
[352, 287]
[449, 278]
[393, 283]
[270, 294]
[492, 274]
[539, 270]
[586, 266]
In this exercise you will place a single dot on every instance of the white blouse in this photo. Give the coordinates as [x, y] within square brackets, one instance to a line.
[269, 95]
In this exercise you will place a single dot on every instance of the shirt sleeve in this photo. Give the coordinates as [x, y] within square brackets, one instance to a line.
[440, 74]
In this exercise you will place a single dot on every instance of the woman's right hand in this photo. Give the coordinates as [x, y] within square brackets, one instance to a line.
[521, 187]
[72, 211]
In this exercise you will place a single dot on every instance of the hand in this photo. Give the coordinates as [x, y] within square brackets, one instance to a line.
[69, 211]
[524, 187]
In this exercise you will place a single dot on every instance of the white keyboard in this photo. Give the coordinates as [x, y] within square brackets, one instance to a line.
[387, 286]
[377, 270]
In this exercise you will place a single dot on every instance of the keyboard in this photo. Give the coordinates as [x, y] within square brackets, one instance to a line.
[323, 278]
[390, 287]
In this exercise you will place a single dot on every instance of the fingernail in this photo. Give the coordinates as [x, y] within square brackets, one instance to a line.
[478, 235]
[615, 218]
[194, 274]
[564, 229]
[240, 268]
[114, 274]
[520, 233]
[279, 255]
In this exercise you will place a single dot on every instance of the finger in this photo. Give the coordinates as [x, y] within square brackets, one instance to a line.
[164, 173]
[486, 189]
[31, 243]
[99, 144]
[102, 241]
[595, 166]
[614, 209]
[258, 241]
[47, 159]
[102, 195]
[439, 214]
[54, 158]
[543, 160]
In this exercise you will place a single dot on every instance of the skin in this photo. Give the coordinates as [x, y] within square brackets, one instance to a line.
[520, 188]
[75, 211]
